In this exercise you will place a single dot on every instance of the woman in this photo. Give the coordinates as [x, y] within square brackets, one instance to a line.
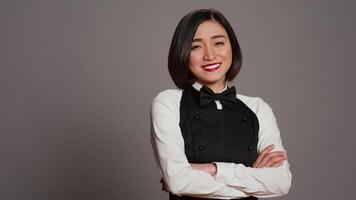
[210, 142]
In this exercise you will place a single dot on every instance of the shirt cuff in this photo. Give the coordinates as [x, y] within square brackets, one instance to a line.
[231, 174]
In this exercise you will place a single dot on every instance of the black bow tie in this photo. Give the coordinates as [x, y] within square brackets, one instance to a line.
[227, 97]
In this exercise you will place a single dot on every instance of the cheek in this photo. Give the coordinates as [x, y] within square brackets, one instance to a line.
[194, 61]
[228, 55]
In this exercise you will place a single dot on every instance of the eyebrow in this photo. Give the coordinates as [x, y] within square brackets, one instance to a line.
[214, 37]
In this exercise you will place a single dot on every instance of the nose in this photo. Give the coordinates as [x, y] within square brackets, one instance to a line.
[209, 53]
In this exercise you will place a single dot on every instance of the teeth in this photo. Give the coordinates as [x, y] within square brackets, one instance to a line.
[212, 66]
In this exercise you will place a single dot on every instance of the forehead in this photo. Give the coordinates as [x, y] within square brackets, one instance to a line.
[209, 29]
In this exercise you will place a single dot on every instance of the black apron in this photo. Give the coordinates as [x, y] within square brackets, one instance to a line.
[212, 135]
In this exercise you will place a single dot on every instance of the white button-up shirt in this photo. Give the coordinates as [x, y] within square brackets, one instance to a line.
[232, 180]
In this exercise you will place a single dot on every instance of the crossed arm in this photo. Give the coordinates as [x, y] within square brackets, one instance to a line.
[266, 158]
[269, 176]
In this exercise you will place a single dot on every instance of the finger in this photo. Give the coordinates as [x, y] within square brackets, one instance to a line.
[278, 164]
[262, 154]
[275, 159]
[267, 149]
[269, 156]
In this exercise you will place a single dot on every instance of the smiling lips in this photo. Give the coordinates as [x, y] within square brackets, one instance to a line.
[211, 67]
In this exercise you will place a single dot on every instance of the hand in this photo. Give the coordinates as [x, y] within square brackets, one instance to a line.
[164, 186]
[209, 168]
[270, 159]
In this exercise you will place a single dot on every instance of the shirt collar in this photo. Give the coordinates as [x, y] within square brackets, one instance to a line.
[196, 85]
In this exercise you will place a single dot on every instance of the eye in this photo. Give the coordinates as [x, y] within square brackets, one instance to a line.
[219, 43]
[195, 47]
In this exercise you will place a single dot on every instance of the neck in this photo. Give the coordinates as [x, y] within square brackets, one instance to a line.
[216, 87]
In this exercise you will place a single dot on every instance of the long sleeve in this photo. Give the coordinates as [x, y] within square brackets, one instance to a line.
[168, 146]
[259, 182]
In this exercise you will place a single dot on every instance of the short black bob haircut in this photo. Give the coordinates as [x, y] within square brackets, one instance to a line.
[179, 52]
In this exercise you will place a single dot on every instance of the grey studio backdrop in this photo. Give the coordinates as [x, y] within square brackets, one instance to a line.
[77, 79]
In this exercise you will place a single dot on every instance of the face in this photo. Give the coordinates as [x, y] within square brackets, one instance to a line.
[211, 54]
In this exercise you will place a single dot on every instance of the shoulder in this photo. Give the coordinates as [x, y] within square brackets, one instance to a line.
[257, 105]
[169, 99]
[168, 95]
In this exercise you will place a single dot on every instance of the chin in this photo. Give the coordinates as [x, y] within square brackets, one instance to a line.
[211, 82]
